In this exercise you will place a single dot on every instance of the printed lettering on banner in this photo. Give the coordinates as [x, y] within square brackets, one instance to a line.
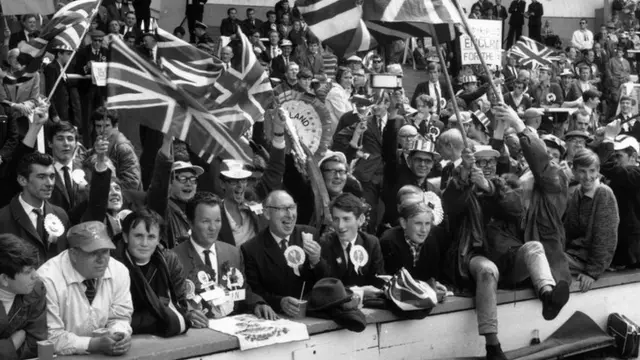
[488, 36]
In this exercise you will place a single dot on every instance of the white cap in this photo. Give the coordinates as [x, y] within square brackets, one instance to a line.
[185, 165]
[626, 141]
[235, 170]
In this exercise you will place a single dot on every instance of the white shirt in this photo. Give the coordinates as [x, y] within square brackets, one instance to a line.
[7, 298]
[582, 39]
[279, 240]
[241, 232]
[58, 166]
[432, 91]
[212, 256]
[29, 210]
[584, 85]
[383, 122]
[154, 53]
[344, 248]
[70, 318]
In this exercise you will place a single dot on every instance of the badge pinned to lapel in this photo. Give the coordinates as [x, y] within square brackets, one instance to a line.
[295, 257]
[190, 288]
[359, 258]
[54, 227]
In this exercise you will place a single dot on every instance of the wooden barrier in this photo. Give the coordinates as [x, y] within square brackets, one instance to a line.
[450, 331]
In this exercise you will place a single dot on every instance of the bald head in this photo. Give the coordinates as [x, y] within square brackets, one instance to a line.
[277, 196]
[226, 54]
[282, 212]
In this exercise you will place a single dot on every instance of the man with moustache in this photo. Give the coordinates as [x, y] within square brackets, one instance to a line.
[89, 305]
[204, 248]
[25, 215]
[267, 268]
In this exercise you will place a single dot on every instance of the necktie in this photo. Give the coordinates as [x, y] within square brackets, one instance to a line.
[40, 223]
[207, 259]
[91, 290]
[284, 244]
[435, 88]
[68, 184]
[347, 262]
[286, 61]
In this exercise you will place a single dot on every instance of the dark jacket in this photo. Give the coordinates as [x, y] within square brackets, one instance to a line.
[114, 14]
[267, 270]
[8, 141]
[60, 100]
[423, 88]
[397, 254]
[61, 198]
[536, 10]
[516, 9]
[85, 54]
[225, 254]
[278, 67]
[341, 268]
[250, 28]
[16, 38]
[13, 220]
[28, 313]
[151, 294]
[229, 27]
[122, 153]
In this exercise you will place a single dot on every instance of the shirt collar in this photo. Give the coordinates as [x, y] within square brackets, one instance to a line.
[71, 275]
[457, 162]
[412, 244]
[200, 249]
[28, 208]
[352, 242]
[591, 192]
[279, 239]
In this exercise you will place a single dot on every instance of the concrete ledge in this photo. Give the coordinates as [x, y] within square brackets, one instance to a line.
[202, 342]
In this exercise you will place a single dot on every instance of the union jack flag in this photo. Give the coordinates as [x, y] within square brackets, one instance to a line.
[245, 86]
[337, 24]
[192, 69]
[86, 9]
[532, 54]
[141, 91]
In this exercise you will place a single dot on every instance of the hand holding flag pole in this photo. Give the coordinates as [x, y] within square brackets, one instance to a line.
[73, 54]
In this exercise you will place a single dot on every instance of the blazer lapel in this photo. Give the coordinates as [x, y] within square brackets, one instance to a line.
[338, 252]
[273, 251]
[23, 219]
[59, 185]
[195, 257]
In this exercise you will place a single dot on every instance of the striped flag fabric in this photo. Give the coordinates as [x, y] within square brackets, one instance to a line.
[87, 9]
[412, 18]
[194, 70]
[338, 24]
[139, 90]
[532, 54]
[245, 86]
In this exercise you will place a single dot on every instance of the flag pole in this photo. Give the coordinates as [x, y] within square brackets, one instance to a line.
[73, 54]
[465, 23]
[447, 80]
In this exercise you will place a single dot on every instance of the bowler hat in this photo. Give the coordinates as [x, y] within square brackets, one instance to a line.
[328, 293]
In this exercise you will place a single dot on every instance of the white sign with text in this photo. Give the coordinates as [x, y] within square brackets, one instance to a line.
[488, 35]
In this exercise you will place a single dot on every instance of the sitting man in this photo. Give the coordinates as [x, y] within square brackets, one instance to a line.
[216, 260]
[157, 280]
[352, 256]
[24, 319]
[269, 271]
[89, 304]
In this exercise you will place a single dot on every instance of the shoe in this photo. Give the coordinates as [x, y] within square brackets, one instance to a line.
[494, 352]
[553, 301]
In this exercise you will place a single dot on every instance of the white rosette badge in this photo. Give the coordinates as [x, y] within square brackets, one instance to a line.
[295, 257]
[54, 227]
[359, 258]
[551, 97]
[77, 176]
[433, 202]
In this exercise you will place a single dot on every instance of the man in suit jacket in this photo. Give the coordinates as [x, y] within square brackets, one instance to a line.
[26, 213]
[28, 32]
[270, 25]
[204, 211]
[268, 271]
[117, 11]
[516, 22]
[501, 14]
[312, 58]
[280, 63]
[628, 127]
[434, 87]
[143, 13]
[131, 26]
[251, 24]
[195, 10]
[535, 13]
[69, 189]
[344, 248]
[229, 26]
[60, 101]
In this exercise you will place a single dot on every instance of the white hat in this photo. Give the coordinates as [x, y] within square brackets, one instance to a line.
[235, 170]
[626, 141]
[485, 150]
[333, 155]
[395, 69]
[354, 58]
[465, 116]
[286, 42]
[185, 165]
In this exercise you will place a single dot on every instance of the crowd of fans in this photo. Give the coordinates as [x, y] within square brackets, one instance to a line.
[534, 186]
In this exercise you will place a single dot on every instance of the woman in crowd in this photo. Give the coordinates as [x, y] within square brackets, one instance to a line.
[591, 221]
[158, 288]
[423, 119]
[337, 100]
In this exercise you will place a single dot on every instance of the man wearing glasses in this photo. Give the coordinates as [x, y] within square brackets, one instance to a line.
[267, 269]
[88, 295]
[582, 38]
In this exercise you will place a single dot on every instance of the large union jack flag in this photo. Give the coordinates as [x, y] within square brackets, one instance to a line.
[532, 54]
[86, 9]
[192, 69]
[245, 86]
[139, 90]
